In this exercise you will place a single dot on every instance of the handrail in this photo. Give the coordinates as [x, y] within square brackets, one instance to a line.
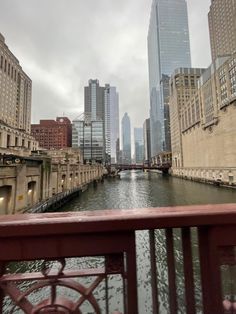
[117, 220]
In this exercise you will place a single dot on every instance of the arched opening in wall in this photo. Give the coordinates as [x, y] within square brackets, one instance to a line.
[76, 179]
[31, 193]
[63, 182]
[71, 181]
[5, 197]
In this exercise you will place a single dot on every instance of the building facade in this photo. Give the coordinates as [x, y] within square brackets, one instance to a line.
[65, 155]
[183, 85]
[36, 180]
[207, 127]
[15, 103]
[126, 139]
[138, 145]
[88, 135]
[147, 141]
[53, 134]
[222, 26]
[168, 49]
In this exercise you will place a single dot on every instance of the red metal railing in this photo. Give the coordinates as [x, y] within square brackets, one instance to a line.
[55, 237]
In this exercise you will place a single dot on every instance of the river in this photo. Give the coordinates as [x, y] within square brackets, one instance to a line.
[136, 189]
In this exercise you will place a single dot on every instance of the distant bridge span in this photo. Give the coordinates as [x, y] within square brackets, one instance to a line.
[164, 168]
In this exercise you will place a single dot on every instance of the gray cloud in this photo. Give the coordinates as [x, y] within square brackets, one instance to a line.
[61, 44]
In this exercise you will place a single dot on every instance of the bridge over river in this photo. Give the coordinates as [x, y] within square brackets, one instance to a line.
[164, 168]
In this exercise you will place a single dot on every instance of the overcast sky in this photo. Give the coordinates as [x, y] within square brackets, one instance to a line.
[61, 44]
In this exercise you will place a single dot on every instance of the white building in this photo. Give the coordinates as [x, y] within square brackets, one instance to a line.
[111, 100]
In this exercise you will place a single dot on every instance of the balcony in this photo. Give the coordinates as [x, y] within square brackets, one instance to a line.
[53, 238]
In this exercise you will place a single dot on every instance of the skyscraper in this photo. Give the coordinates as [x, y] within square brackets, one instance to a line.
[94, 100]
[112, 130]
[126, 139]
[168, 49]
[146, 140]
[138, 145]
[222, 26]
[102, 104]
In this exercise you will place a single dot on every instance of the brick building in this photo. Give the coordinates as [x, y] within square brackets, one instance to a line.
[53, 134]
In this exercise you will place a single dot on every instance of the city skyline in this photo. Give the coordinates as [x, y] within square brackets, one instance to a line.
[50, 58]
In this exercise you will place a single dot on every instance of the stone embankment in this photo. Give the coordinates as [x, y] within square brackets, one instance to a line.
[216, 176]
[36, 183]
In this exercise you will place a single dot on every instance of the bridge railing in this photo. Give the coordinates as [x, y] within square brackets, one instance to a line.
[187, 257]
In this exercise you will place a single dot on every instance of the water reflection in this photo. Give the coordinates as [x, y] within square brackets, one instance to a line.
[137, 189]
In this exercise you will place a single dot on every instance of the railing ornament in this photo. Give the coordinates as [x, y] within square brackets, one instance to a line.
[47, 266]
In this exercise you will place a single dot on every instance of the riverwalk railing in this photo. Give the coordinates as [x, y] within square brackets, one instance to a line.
[197, 239]
[57, 200]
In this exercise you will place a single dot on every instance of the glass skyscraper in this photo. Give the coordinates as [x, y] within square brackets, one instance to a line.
[126, 139]
[88, 135]
[168, 49]
[138, 145]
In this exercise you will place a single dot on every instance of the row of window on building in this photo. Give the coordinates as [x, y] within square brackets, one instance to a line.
[15, 141]
[226, 77]
[8, 68]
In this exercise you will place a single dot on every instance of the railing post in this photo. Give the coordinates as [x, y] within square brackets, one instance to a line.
[188, 271]
[2, 270]
[155, 304]
[131, 279]
[203, 240]
[171, 271]
[210, 272]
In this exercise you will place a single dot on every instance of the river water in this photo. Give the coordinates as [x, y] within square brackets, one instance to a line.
[136, 189]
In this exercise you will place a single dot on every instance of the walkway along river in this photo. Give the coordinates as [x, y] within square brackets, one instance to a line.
[136, 189]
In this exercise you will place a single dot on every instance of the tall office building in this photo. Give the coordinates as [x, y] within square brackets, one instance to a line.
[138, 145]
[15, 102]
[222, 26]
[147, 140]
[168, 49]
[94, 100]
[126, 139]
[102, 104]
[112, 130]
